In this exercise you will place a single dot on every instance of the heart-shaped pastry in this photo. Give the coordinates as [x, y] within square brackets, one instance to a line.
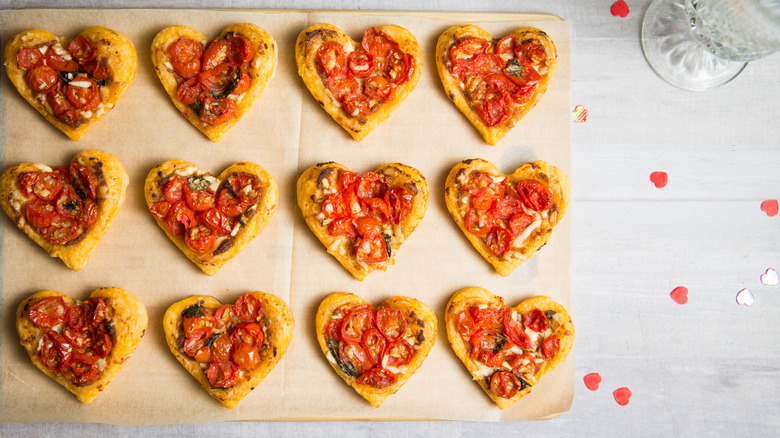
[375, 349]
[72, 83]
[507, 349]
[214, 83]
[82, 345]
[210, 219]
[506, 217]
[358, 84]
[229, 348]
[495, 83]
[65, 210]
[362, 219]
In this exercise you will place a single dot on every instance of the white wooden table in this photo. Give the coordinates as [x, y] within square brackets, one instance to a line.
[709, 366]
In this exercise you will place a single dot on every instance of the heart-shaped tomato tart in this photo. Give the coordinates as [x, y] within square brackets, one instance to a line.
[375, 349]
[358, 84]
[362, 219]
[66, 210]
[229, 348]
[82, 345]
[72, 83]
[495, 83]
[211, 219]
[506, 217]
[507, 349]
[214, 83]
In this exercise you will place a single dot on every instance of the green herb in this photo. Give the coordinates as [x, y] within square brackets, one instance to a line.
[211, 340]
[387, 244]
[194, 310]
[501, 339]
[230, 87]
[197, 106]
[549, 314]
[198, 183]
[348, 368]
[514, 68]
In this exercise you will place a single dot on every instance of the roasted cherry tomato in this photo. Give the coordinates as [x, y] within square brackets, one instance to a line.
[333, 206]
[356, 322]
[514, 331]
[190, 91]
[29, 58]
[97, 69]
[483, 340]
[248, 332]
[68, 203]
[240, 50]
[377, 43]
[160, 209]
[83, 93]
[397, 67]
[550, 347]
[371, 185]
[467, 49]
[246, 356]
[478, 222]
[80, 369]
[185, 56]
[61, 231]
[532, 52]
[356, 105]
[244, 81]
[224, 315]
[505, 48]
[89, 214]
[342, 85]
[200, 238]
[378, 88]
[102, 343]
[487, 198]
[400, 202]
[62, 109]
[377, 378]
[198, 200]
[347, 179]
[371, 249]
[79, 340]
[88, 314]
[196, 345]
[215, 220]
[343, 226]
[535, 320]
[504, 384]
[377, 211]
[499, 241]
[332, 330]
[373, 344]
[217, 111]
[55, 350]
[361, 63]
[216, 53]
[42, 79]
[82, 49]
[524, 365]
[59, 62]
[232, 203]
[48, 312]
[174, 189]
[391, 323]
[48, 185]
[180, 218]
[465, 324]
[535, 195]
[518, 223]
[221, 348]
[399, 353]
[330, 58]
[83, 180]
[40, 213]
[352, 353]
[26, 182]
[248, 308]
[218, 79]
[222, 374]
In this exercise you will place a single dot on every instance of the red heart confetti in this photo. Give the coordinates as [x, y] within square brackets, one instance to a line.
[745, 298]
[659, 179]
[580, 114]
[680, 295]
[619, 8]
[769, 207]
[592, 381]
[622, 395]
[770, 277]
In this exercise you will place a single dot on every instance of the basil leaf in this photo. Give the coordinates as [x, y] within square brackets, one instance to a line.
[549, 314]
[68, 76]
[194, 310]
[197, 106]
[501, 339]
[514, 68]
[230, 87]
[198, 183]
[348, 368]
[387, 244]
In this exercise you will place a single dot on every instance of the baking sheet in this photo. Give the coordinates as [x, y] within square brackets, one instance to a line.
[286, 132]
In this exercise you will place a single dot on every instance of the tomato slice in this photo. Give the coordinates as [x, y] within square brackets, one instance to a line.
[221, 348]
[499, 241]
[342, 85]
[377, 377]
[343, 226]
[200, 238]
[88, 314]
[356, 105]
[505, 48]
[89, 214]
[102, 343]
[377, 43]
[397, 67]
[246, 356]
[535, 320]
[48, 185]
[26, 182]
[240, 50]
[514, 331]
[506, 207]
[55, 350]
[68, 203]
[42, 79]
[332, 330]
[331, 58]
[83, 93]
[160, 209]
[216, 221]
[535, 195]
[244, 81]
[215, 54]
[376, 209]
[352, 354]
[79, 340]
[374, 344]
[190, 91]
[83, 180]
[199, 201]
[391, 323]
[174, 189]
[361, 63]
[371, 249]
[400, 202]
[196, 345]
[230, 203]
[248, 332]
[185, 56]
[486, 317]
[483, 340]
[40, 213]
[356, 323]
[333, 206]
[518, 223]
[478, 222]
[61, 231]
[504, 384]
[48, 312]
[29, 58]
[59, 62]
[347, 179]
[524, 365]
[224, 315]
[248, 308]
[97, 69]
[371, 185]
[218, 79]
[378, 88]
[531, 51]
[478, 183]
[217, 111]
[550, 346]
[466, 49]
[180, 218]
[465, 324]
[82, 49]
[485, 200]
[80, 369]
[222, 374]
[399, 353]
[62, 109]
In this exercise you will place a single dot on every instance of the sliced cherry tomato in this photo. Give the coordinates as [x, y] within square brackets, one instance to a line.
[400, 202]
[174, 189]
[331, 59]
[248, 308]
[375, 208]
[522, 73]
[246, 356]
[79, 340]
[478, 222]
[248, 332]
[466, 49]
[486, 317]
[333, 206]
[196, 345]
[371, 185]
[482, 65]
[391, 323]
[361, 63]
[343, 226]
[62, 109]
[61, 231]
[29, 58]
[352, 353]
[81, 368]
[499, 241]
[216, 53]
[40, 213]
[378, 88]
[535, 195]
[42, 79]
[55, 350]
[356, 322]
[88, 314]
[371, 249]
[102, 343]
[535, 320]
[218, 79]
[244, 81]
[97, 69]
[240, 50]
[347, 179]
[505, 48]
[217, 111]
[160, 209]
[224, 315]
[48, 185]
[185, 56]
[550, 347]
[504, 384]
[82, 49]
[342, 85]
[232, 203]
[180, 218]
[200, 238]
[89, 214]
[48, 312]
[199, 201]
[397, 67]
[514, 331]
[532, 52]
[68, 203]
[506, 207]
[190, 91]
[495, 108]
[377, 378]
[332, 330]
[356, 105]
[245, 185]
[518, 223]
[486, 199]
[524, 365]
[465, 324]
[478, 183]
[491, 359]
[377, 43]
[83, 93]
[399, 353]
[373, 344]
[84, 181]
[222, 374]
[60, 62]
[216, 221]
[221, 348]
[26, 182]
[483, 340]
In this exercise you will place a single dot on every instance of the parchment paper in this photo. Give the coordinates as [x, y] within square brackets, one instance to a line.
[286, 132]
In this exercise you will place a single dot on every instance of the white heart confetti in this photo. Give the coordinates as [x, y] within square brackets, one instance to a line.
[770, 277]
[745, 297]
